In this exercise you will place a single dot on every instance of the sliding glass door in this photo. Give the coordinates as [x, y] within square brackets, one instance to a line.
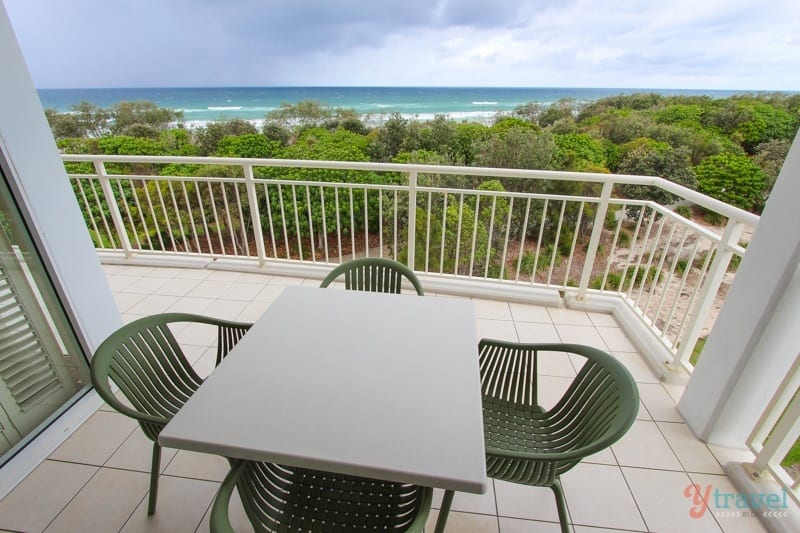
[42, 365]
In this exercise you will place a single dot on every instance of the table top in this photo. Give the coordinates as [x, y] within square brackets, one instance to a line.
[369, 384]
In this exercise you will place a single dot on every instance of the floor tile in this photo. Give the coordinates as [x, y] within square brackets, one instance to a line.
[97, 439]
[198, 334]
[146, 285]
[210, 288]
[720, 504]
[252, 311]
[533, 332]
[118, 283]
[136, 454]
[589, 529]
[660, 497]
[194, 273]
[224, 275]
[166, 272]
[243, 291]
[516, 525]
[555, 364]
[491, 309]
[287, 281]
[603, 319]
[636, 366]
[458, 522]
[502, 330]
[587, 335]
[181, 506]
[552, 389]
[521, 501]
[693, 454]
[104, 504]
[177, 287]
[225, 309]
[644, 446]
[126, 300]
[598, 495]
[35, 502]
[198, 466]
[573, 317]
[191, 304]
[727, 455]
[615, 339]
[269, 293]
[529, 313]
[470, 503]
[153, 304]
[658, 403]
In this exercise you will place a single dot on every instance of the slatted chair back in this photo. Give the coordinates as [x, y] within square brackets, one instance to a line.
[143, 358]
[533, 444]
[374, 274]
[279, 498]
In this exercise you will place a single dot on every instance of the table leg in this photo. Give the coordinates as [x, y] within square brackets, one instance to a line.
[444, 510]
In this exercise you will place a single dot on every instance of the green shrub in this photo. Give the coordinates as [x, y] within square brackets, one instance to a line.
[684, 210]
[713, 218]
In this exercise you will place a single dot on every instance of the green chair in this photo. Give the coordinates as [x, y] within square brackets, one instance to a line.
[373, 274]
[528, 444]
[281, 498]
[145, 361]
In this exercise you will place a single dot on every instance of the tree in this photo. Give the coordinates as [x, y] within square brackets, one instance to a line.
[208, 137]
[247, 145]
[516, 147]
[125, 115]
[83, 120]
[303, 114]
[732, 178]
[770, 157]
[579, 151]
[388, 140]
[652, 159]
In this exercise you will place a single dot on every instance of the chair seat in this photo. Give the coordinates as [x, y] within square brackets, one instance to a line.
[515, 428]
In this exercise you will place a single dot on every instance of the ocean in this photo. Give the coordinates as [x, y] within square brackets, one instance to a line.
[203, 104]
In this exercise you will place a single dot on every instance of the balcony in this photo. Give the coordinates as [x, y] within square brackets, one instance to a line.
[97, 479]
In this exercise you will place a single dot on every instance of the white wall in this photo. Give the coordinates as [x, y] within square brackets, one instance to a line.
[755, 338]
[38, 173]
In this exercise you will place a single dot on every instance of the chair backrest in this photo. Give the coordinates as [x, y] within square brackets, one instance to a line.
[596, 410]
[279, 498]
[145, 360]
[374, 274]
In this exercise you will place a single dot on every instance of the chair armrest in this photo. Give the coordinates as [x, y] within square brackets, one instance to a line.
[219, 519]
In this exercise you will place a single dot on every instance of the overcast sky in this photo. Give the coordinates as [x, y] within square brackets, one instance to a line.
[703, 44]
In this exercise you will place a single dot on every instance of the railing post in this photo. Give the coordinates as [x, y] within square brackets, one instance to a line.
[412, 217]
[594, 240]
[113, 208]
[709, 290]
[255, 214]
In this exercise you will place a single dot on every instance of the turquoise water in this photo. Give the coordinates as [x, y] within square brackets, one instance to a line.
[203, 104]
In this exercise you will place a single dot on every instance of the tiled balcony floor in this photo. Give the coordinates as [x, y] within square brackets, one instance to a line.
[97, 480]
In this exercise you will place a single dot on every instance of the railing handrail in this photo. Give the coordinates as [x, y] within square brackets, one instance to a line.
[693, 196]
[463, 231]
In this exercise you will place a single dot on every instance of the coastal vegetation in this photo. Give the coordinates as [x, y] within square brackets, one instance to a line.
[731, 149]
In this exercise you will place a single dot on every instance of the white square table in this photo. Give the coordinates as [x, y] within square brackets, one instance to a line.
[369, 384]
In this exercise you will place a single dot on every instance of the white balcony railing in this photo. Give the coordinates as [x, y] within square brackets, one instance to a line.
[574, 233]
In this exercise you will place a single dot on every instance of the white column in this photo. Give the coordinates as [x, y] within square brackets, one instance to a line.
[755, 338]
